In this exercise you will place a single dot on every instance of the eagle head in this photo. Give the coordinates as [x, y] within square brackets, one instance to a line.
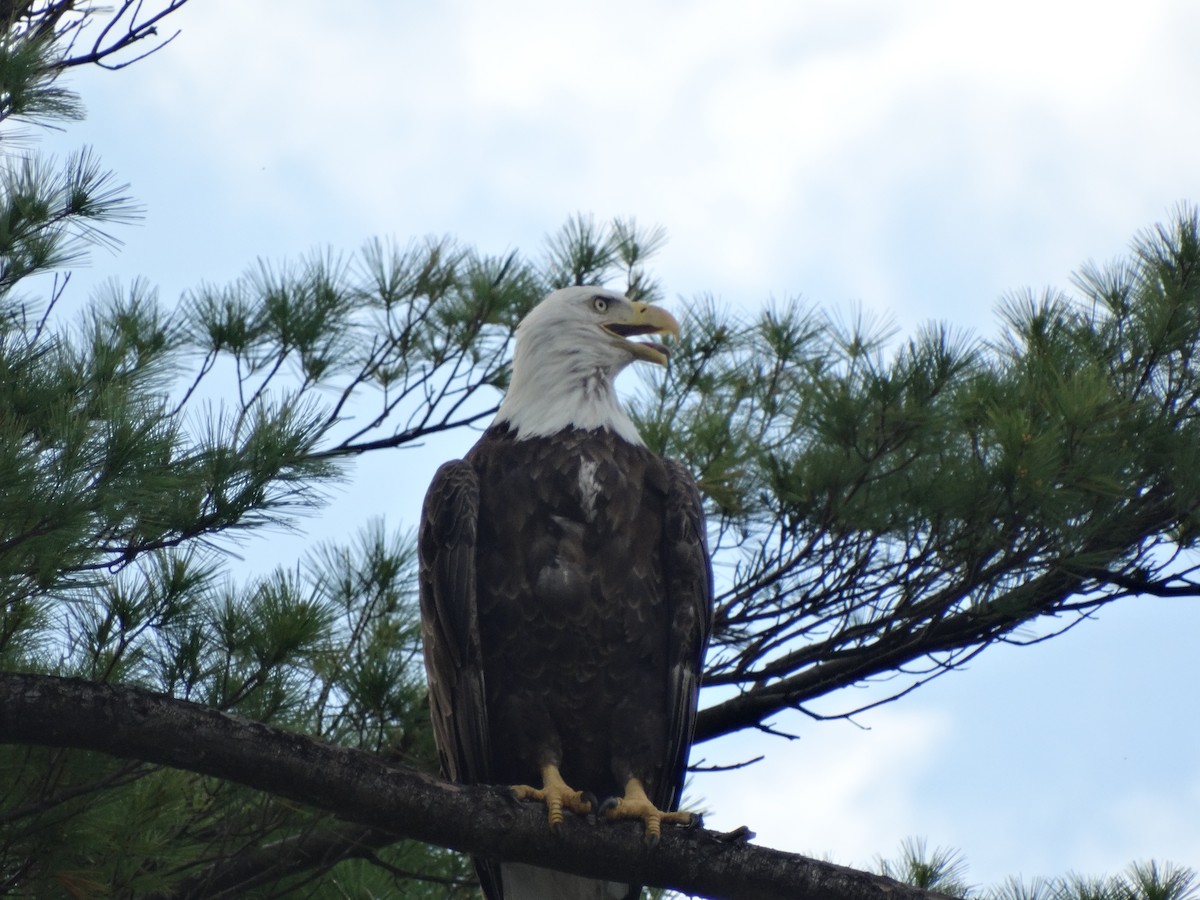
[569, 348]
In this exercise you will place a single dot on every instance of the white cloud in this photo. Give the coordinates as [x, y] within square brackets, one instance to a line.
[896, 155]
[1011, 804]
[841, 790]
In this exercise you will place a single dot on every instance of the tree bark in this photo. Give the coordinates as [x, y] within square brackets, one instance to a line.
[138, 724]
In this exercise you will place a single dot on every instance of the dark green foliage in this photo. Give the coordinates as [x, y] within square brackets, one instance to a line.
[330, 649]
[945, 871]
[584, 253]
[49, 213]
[937, 494]
[28, 76]
[938, 870]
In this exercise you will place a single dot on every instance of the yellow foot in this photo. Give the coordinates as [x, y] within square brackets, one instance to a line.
[557, 796]
[636, 805]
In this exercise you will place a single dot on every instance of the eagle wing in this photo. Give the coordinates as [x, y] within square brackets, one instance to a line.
[450, 622]
[688, 576]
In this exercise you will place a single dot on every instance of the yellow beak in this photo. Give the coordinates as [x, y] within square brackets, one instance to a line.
[638, 318]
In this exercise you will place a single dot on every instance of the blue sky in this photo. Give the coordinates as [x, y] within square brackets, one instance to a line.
[918, 160]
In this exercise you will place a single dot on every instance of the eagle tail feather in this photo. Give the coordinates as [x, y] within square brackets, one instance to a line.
[525, 882]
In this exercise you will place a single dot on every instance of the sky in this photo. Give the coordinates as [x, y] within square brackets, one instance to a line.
[914, 160]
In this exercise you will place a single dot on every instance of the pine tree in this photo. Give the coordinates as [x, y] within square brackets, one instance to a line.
[125, 490]
[876, 506]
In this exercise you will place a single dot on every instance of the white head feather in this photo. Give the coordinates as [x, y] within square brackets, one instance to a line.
[566, 359]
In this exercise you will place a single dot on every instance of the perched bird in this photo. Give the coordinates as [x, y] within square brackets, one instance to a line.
[566, 591]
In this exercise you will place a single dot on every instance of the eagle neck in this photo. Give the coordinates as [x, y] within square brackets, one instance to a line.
[544, 400]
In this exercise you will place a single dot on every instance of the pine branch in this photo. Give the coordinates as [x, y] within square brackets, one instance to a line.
[963, 633]
[112, 40]
[134, 723]
[265, 865]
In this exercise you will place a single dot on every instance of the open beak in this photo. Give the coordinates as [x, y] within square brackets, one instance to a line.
[643, 319]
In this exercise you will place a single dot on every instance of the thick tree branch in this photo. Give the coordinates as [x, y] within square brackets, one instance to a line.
[134, 723]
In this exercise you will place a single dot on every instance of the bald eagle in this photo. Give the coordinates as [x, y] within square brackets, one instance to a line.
[566, 591]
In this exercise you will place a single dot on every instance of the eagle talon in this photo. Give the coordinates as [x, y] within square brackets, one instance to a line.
[558, 797]
[636, 805]
[590, 799]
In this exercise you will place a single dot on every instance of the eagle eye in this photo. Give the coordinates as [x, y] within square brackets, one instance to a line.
[599, 304]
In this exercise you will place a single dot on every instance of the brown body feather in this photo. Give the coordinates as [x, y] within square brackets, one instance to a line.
[566, 594]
